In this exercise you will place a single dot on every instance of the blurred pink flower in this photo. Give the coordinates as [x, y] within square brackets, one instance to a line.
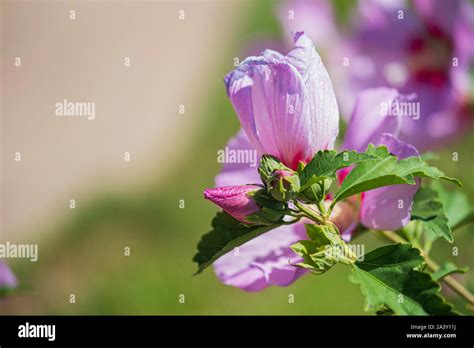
[425, 49]
[7, 278]
[385, 208]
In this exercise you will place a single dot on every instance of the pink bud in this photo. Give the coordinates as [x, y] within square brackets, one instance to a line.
[280, 173]
[235, 200]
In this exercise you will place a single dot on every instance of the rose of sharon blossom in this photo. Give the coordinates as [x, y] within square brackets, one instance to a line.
[420, 46]
[258, 90]
[285, 104]
[287, 109]
[265, 260]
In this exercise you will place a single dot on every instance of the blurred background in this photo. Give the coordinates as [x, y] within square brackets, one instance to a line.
[169, 111]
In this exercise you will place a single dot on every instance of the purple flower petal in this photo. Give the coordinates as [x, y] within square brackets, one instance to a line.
[437, 119]
[440, 13]
[238, 171]
[379, 13]
[285, 104]
[389, 208]
[417, 58]
[368, 123]
[263, 261]
[320, 100]
[7, 278]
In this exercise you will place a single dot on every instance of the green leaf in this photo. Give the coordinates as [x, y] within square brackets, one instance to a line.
[268, 165]
[325, 163]
[385, 170]
[456, 203]
[314, 257]
[447, 269]
[428, 208]
[323, 250]
[263, 199]
[388, 278]
[271, 211]
[430, 156]
[426, 204]
[227, 233]
[378, 151]
[439, 227]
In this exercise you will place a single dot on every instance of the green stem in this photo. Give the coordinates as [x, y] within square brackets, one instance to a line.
[308, 212]
[322, 208]
[418, 231]
[450, 281]
[331, 207]
[297, 218]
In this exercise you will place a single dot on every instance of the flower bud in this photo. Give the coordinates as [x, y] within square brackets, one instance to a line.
[268, 166]
[316, 192]
[284, 185]
[237, 201]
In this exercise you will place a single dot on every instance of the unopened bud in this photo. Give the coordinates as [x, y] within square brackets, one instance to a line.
[316, 192]
[284, 185]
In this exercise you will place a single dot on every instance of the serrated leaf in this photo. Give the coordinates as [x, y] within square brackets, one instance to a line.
[322, 250]
[439, 227]
[227, 233]
[456, 204]
[385, 170]
[428, 208]
[315, 257]
[378, 151]
[447, 269]
[426, 204]
[388, 279]
[325, 163]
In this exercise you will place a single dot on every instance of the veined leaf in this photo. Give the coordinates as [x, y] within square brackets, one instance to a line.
[439, 227]
[388, 279]
[457, 206]
[227, 233]
[447, 269]
[426, 204]
[322, 250]
[385, 170]
[428, 208]
[325, 164]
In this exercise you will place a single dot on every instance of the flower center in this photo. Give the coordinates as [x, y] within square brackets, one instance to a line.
[430, 56]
